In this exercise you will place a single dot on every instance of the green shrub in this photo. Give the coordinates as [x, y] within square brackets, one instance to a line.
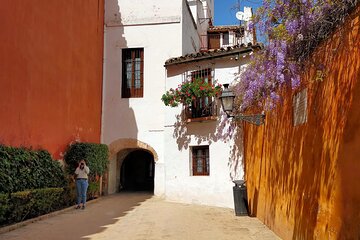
[93, 190]
[20, 204]
[70, 193]
[22, 169]
[23, 205]
[46, 200]
[4, 206]
[96, 156]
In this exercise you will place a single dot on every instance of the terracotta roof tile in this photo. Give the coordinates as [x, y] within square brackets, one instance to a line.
[225, 28]
[213, 53]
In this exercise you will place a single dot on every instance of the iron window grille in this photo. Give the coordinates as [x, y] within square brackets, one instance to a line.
[133, 73]
[200, 161]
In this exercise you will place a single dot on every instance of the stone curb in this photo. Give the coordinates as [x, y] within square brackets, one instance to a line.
[36, 219]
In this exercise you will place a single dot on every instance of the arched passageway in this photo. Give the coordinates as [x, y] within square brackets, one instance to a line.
[137, 171]
[120, 150]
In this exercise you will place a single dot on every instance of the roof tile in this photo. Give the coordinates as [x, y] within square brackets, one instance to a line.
[212, 53]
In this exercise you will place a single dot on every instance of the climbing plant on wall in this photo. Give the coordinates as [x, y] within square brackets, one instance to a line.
[293, 29]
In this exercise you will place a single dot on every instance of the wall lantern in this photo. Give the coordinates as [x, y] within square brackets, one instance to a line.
[227, 102]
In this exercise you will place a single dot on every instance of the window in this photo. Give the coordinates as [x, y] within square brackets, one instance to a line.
[213, 40]
[226, 38]
[133, 72]
[200, 161]
[202, 107]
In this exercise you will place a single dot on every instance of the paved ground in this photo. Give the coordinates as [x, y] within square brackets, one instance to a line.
[140, 216]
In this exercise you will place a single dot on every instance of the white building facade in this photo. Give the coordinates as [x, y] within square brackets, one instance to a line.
[145, 151]
[201, 160]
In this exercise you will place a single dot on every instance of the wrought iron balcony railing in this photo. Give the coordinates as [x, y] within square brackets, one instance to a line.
[200, 110]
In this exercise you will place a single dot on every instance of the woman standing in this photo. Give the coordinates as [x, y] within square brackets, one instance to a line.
[82, 172]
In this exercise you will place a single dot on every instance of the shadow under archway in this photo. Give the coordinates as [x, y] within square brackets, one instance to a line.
[137, 171]
[118, 151]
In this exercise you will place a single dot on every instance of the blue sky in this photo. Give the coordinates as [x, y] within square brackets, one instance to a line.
[225, 10]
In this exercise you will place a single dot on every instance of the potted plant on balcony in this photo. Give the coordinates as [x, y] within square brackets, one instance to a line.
[189, 91]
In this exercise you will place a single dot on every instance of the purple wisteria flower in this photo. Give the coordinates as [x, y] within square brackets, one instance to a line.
[285, 23]
[292, 26]
[250, 25]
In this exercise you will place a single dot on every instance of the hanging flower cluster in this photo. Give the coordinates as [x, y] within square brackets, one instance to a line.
[189, 90]
[293, 29]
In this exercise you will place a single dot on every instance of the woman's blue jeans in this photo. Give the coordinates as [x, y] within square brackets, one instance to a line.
[81, 189]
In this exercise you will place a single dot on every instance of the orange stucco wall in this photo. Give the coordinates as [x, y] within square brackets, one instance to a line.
[303, 181]
[50, 72]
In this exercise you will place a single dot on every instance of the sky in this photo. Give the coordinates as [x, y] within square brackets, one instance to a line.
[225, 10]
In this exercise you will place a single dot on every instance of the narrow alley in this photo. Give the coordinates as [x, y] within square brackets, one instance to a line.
[141, 216]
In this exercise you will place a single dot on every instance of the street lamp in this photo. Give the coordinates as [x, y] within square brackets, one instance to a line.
[227, 102]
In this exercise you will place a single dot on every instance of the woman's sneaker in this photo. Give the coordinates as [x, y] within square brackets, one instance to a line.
[83, 208]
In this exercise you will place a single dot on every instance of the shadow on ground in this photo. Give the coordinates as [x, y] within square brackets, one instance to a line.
[109, 210]
[81, 224]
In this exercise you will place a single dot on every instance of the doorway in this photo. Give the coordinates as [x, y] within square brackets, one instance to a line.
[137, 171]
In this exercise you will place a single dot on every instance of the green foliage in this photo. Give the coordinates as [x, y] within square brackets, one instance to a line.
[46, 200]
[4, 207]
[18, 206]
[96, 156]
[70, 192]
[22, 169]
[93, 190]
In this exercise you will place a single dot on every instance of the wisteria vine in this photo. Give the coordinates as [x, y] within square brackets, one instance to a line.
[294, 28]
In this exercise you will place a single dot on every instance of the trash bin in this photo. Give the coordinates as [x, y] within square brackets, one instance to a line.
[240, 198]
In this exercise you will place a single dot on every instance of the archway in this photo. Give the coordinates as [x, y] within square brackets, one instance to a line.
[137, 171]
[120, 150]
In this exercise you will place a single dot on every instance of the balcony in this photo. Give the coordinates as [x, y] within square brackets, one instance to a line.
[201, 111]
[220, 40]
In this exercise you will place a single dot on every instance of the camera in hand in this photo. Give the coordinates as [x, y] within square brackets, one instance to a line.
[82, 165]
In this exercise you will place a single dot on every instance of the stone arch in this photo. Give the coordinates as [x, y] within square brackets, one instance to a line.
[118, 150]
[128, 143]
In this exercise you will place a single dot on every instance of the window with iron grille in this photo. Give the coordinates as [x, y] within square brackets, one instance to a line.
[203, 106]
[133, 72]
[200, 161]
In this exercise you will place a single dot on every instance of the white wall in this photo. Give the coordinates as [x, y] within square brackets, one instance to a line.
[135, 117]
[195, 23]
[137, 12]
[164, 29]
[205, 13]
[190, 35]
[248, 33]
[156, 26]
[215, 189]
[225, 155]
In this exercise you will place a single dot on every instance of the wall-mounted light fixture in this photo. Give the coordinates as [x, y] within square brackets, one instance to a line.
[227, 102]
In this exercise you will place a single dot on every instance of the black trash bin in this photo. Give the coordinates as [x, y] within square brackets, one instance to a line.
[240, 198]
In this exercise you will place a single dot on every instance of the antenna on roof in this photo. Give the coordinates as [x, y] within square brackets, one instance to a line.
[240, 16]
[243, 16]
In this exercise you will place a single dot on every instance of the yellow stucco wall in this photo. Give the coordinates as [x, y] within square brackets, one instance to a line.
[303, 181]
